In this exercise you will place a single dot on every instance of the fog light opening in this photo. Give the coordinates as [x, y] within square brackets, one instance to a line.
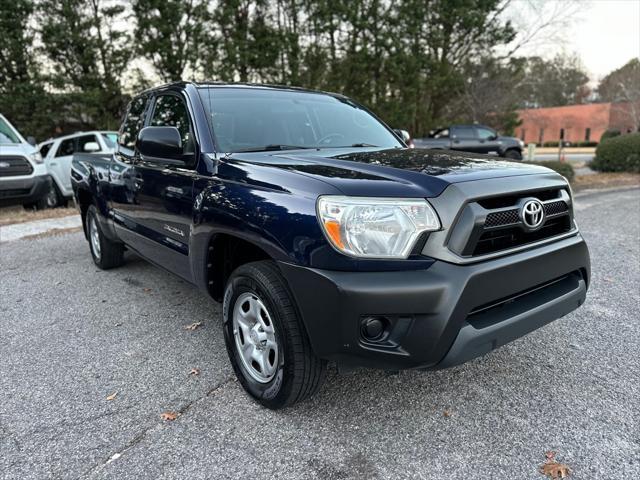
[374, 329]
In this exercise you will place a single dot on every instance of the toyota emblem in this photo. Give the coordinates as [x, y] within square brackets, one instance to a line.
[5, 164]
[532, 214]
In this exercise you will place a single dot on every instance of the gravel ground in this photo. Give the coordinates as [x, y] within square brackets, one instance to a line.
[73, 335]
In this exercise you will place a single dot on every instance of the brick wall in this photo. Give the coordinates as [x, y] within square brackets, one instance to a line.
[577, 122]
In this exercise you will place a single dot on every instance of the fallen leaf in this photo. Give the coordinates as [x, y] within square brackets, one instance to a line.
[550, 455]
[446, 413]
[169, 416]
[194, 371]
[555, 470]
[146, 290]
[193, 326]
[112, 396]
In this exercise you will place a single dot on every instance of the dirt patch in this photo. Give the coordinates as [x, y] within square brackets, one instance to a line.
[606, 180]
[52, 233]
[17, 214]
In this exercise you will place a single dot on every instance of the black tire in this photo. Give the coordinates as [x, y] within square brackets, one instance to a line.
[53, 198]
[110, 254]
[513, 154]
[41, 204]
[299, 373]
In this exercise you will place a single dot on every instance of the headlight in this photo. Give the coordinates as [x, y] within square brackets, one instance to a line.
[375, 227]
[36, 157]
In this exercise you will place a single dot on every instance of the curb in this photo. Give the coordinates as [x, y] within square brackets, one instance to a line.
[16, 231]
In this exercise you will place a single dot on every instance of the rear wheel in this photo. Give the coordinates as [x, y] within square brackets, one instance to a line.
[513, 154]
[266, 341]
[106, 253]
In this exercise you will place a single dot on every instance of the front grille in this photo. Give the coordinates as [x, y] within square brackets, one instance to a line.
[506, 217]
[14, 192]
[511, 217]
[12, 166]
[505, 238]
[490, 225]
[555, 208]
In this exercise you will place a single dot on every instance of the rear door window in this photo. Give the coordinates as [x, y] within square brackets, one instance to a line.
[66, 147]
[466, 133]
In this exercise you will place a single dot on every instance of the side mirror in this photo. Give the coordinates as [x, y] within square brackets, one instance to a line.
[160, 142]
[91, 147]
[403, 134]
[32, 141]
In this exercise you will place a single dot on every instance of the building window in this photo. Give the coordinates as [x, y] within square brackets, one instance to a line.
[541, 136]
[587, 134]
[522, 134]
[562, 134]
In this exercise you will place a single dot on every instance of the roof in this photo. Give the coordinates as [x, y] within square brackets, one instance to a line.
[77, 134]
[250, 85]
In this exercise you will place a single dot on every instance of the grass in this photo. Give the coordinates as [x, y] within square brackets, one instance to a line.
[17, 214]
[605, 180]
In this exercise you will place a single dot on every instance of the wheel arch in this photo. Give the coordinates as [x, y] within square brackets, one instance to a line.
[225, 252]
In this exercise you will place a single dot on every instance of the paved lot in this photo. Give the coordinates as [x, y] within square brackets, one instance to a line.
[73, 335]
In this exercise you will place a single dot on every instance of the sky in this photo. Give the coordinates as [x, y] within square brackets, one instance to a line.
[604, 33]
[608, 36]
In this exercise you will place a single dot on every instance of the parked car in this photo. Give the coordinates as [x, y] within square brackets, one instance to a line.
[325, 237]
[23, 175]
[473, 139]
[58, 153]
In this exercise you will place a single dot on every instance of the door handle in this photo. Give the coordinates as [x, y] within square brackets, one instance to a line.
[53, 164]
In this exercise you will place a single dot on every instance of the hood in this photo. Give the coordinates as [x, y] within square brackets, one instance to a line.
[22, 149]
[391, 172]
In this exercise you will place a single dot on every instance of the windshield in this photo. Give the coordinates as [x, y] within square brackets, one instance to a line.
[7, 135]
[245, 119]
[110, 139]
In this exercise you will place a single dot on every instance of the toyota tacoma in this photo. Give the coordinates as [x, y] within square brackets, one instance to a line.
[325, 238]
[473, 139]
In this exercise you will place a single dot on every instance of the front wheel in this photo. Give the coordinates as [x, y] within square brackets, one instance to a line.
[266, 340]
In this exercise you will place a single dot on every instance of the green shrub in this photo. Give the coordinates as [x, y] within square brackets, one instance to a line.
[563, 168]
[553, 143]
[609, 134]
[619, 154]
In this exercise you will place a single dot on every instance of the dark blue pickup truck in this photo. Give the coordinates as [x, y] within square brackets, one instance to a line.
[325, 238]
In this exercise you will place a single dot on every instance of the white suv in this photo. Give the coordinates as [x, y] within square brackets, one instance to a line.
[58, 153]
[23, 175]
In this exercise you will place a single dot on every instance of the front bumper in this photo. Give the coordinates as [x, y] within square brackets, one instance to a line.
[24, 190]
[442, 316]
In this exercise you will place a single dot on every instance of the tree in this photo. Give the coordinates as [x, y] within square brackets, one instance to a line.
[248, 43]
[87, 57]
[553, 83]
[171, 34]
[490, 95]
[22, 99]
[623, 85]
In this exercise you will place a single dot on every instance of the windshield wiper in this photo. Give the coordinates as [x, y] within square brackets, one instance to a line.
[363, 145]
[272, 147]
